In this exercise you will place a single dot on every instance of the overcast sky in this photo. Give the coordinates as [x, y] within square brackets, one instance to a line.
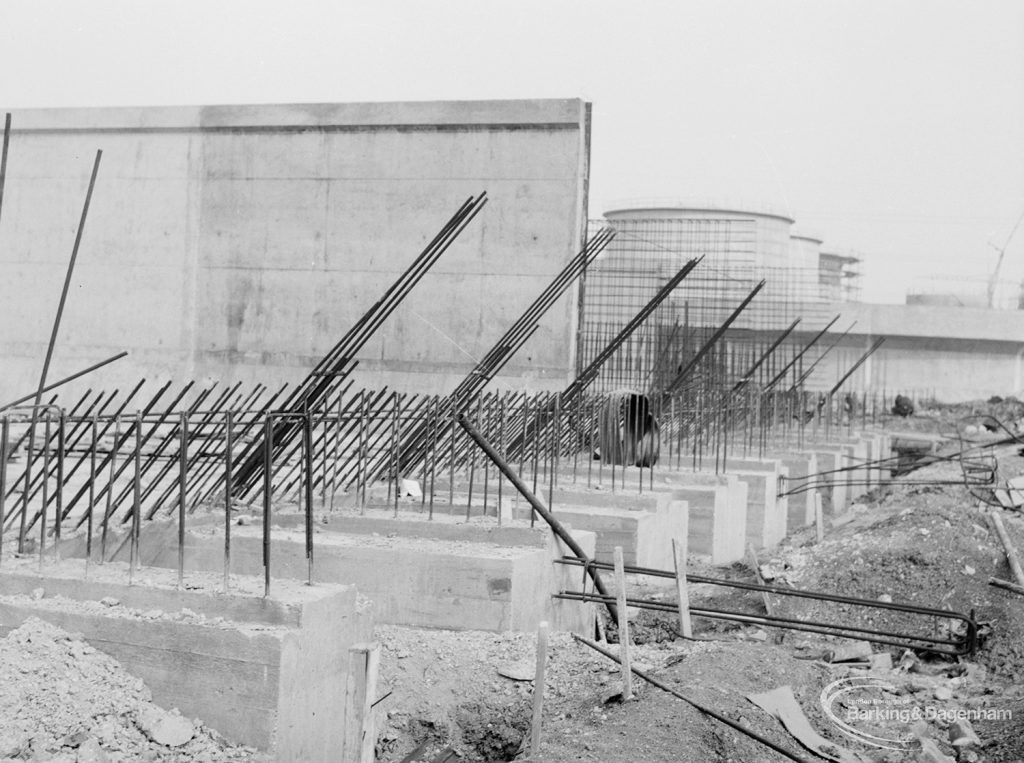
[892, 129]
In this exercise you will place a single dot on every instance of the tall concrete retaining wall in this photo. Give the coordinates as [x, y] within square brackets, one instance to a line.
[241, 242]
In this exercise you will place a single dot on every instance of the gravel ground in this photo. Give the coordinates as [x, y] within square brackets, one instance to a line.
[63, 701]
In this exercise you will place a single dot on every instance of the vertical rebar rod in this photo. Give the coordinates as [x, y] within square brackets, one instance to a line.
[502, 445]
[3, 157]
[61, 442]
[434, 408]
[4, 438]
[228, 423]
[451, 465]
[110, 479]
[92, 490]
[45, 488]
[137, 462]
[268, 484]
[182, 492]
[485, 424]
[307, 453]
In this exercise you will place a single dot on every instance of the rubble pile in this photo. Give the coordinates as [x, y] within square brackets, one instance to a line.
[61, 700]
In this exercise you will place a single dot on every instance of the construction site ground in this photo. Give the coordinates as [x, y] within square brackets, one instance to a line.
[910, 542]
[466, 695]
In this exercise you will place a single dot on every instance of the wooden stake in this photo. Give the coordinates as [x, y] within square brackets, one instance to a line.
[752, 561]
[538, 690]
[1011, 553]
[819, 518]
[360, 730]
[602, 637]
[679, 549]
[1000, 583]
[620, 596]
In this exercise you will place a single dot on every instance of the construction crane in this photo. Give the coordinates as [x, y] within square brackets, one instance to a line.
[999, 262]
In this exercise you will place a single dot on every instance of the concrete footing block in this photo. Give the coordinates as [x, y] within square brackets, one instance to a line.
[419, 573]
[277, 683]
[644, 534]
[718, 517]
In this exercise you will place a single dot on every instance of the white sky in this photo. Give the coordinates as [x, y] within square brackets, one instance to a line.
[894, 128]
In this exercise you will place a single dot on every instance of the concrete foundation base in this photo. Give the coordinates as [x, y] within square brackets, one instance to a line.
[801, 467]
[438, 573]
[642, 525]
[270, 673]
[767, 511]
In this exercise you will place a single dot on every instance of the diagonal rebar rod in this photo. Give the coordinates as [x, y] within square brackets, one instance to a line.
[683, 374]
[339, 362]
[781, 374]
[877, 343]
[765, 355]
[65, 380]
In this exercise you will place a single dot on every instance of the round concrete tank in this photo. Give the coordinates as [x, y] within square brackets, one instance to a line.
[755, 239]
[804, 251]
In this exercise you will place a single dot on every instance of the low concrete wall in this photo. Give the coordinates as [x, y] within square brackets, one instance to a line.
[273, 674]
[418, 573]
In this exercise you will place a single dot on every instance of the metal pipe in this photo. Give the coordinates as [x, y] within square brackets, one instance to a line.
[538, 507]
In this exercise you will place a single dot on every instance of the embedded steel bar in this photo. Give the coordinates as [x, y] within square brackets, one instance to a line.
[109, 458]
[702, 708]
[345, 423]
[3, 157]
[765, 355]
[877, 343]
[248, 421]
[228, 422]
[681, 377]
[538, 507]
[587, 376]
[32, 488]
[23, 526]
[202, 461]
[173, 436]
[60, 312]
[143, 440]
[312, 390]
[413, 448]
[182, 491]
[804, 375]
[951, 647]
[110, 418]
[92, 492]
[350, 470]
[65, 380]
[781, 374]
[268, 486]
[307, 447]
[222, 399]
[965, 646]
[352, 424]
[5, 433]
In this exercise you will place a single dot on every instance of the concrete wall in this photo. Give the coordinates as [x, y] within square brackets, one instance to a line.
[240, 243]
[959, 353]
